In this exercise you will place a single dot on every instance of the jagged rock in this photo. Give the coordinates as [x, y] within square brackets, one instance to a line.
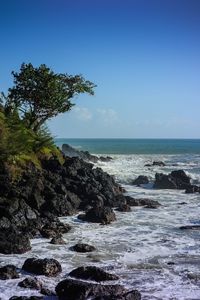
[141, 180]
[57, 241]
[8, 272]
[92, 273]
[83, 248]
[175, 180]
[142, 202]
[104, 215]
[79, 290]
[124, 208]
[72, 152]
[191, 189]
[12, 241]
[47, 267]
[190, 227]
[30, 283]
[54, 229]
[156, 163]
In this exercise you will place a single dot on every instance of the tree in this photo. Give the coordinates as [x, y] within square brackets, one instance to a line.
[40, 94]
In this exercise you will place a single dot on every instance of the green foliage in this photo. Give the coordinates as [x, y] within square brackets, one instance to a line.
[40, 94]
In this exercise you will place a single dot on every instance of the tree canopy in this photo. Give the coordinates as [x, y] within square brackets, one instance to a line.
[39, 94]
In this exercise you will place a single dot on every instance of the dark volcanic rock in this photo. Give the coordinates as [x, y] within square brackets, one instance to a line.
[190, 227]
[47, 292]
[72, 152]
[47, 267]
[79, 290]
[191, 189]
[105, 158]
[14, 242]
[8, 272]
[57, 241]
[142, 202]
[175, 180]
[124, 208]
[130, 295]
[104, 215]
[92, 273]
[156, 163]
[54, 229]
[83, 248]
[30, 283]
[141, 180]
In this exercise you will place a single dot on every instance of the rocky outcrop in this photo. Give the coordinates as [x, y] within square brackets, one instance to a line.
[85, 155]
[104, 215]
[83, 248]
[48, 267]
[140, 180]
[156, 163]
[80, 290]
[13, 241]
[175, 180]
[8, 272]
[191, 189]
[142, 202]
[92, 273]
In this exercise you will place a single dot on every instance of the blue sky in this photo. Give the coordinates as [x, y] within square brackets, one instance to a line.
[144, 56]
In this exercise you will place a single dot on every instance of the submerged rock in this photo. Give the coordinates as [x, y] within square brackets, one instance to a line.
[92, 273]
[190, 227]
[83, 248]
[8, 272]
[48, 267]
[156, 163]
[80, 290]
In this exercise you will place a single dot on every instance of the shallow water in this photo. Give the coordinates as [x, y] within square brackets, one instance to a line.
[145, 246]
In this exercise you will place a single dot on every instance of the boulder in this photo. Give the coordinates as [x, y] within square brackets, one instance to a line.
[92, 273]
[80, 290]
[8, 272]
[190, 227]
[54, 229]
[48, 267]
[26, 298]
[104, 215]
[191, 189]
[57, 241]
[12, 241]
[30, 283]
[142, 202]
[175, 180]
[141, 180]
[105, 158]
[156, 163]
[124, 208]
[83, 248]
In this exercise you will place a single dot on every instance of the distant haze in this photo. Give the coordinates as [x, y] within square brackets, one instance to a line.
[144, 56]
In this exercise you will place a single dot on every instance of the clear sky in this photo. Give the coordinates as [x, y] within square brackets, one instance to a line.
[144, 56]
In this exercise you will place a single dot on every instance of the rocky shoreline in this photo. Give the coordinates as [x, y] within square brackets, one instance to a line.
[31, 208]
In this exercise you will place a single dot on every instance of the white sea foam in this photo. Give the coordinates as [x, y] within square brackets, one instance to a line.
[145, 246]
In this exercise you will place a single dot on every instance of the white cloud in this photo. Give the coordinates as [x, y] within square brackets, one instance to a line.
[108, 116]
[82, 113]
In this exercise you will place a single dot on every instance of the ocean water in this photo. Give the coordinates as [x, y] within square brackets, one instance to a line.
[145, 247]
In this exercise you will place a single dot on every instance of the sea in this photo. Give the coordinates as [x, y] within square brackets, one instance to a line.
[145, 247]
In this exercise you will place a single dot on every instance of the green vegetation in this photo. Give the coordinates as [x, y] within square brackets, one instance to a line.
[38, 94]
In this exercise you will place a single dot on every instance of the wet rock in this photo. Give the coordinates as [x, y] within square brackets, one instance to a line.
[47, 267]
[175, 180]
[30, 283]
[79, 290]
[57, 241]
[141, 180]
[193, 276]
[105, 158]
[12, 241]
[104, 215]
[54, 229]
[131, 295]
[142, 202]
[47, 292]
[190, 227]
[191, 189]
[124, 208]
[8, 272]
[92, 273]
[156, 163]
[83, 248]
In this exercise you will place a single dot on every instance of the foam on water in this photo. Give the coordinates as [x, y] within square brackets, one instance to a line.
[145, 246]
